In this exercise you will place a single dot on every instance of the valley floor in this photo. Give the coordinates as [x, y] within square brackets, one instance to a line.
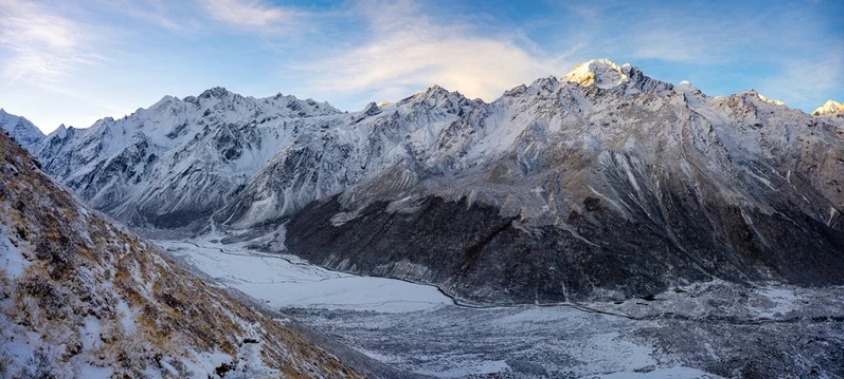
[705, 330]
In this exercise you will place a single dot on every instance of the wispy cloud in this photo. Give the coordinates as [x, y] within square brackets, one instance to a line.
[247, 13]
[38, 44]
[407, 50]
[801, 81]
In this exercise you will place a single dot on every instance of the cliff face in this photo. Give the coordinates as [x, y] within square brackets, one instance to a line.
[82, 297]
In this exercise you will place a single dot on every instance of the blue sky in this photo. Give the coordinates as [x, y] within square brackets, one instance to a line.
[74, 62]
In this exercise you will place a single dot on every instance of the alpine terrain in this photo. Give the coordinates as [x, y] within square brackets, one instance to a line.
[24, 132]
[598, 224]
[603, 184]
[84, 298]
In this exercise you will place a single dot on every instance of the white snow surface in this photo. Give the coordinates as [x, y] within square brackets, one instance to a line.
[12, 262]
[287, 281]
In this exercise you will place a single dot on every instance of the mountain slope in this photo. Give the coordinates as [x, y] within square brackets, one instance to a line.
[22, 130]
[180, 160]
[570, 191]
[84, 298]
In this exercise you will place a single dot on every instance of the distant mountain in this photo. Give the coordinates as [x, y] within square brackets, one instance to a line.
[828, 108]
[84, 298]
[180, 160]
[603, 184]
[23, 131]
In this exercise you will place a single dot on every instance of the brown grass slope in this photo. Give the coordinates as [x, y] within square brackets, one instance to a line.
[93, 296]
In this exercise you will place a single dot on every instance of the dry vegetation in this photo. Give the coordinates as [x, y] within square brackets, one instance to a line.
[92, 295]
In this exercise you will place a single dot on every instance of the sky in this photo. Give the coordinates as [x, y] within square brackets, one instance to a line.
[74, 62]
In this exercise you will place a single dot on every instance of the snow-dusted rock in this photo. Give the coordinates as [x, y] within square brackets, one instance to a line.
[22, 130]
[178, 161]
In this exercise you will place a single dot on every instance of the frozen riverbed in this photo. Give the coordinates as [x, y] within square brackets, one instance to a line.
[287, 281]
[697, 331]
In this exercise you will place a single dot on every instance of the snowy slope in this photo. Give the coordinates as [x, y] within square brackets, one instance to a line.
[179, 160]
[23, 131]
[83, 298]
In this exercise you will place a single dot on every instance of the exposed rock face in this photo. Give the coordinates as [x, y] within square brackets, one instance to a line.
[85, 298]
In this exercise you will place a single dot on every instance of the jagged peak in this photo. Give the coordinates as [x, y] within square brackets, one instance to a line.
[431, 92]
[216, 92]
[167, 99]
[602, 73]
[625, 79]
[829, 107]
[433, 89]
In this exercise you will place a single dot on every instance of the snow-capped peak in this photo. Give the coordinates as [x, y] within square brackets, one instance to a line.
[601, 73]
[215, 92]
[829, 107]
[21, 129]
[771, 101]
[606, 75]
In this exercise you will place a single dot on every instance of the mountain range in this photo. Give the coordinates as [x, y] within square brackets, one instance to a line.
[602, 184]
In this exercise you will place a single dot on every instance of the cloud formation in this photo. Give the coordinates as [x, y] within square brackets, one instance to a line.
[408, 51]
[247, 13]
[801, 80]
[37, 44]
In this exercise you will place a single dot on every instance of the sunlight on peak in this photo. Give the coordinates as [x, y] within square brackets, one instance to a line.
[602, 73]
[829, 107]
[767, 100]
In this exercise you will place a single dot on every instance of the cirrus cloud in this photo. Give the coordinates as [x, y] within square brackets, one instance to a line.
[246, 13]
[39, 45]
[407, 51]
